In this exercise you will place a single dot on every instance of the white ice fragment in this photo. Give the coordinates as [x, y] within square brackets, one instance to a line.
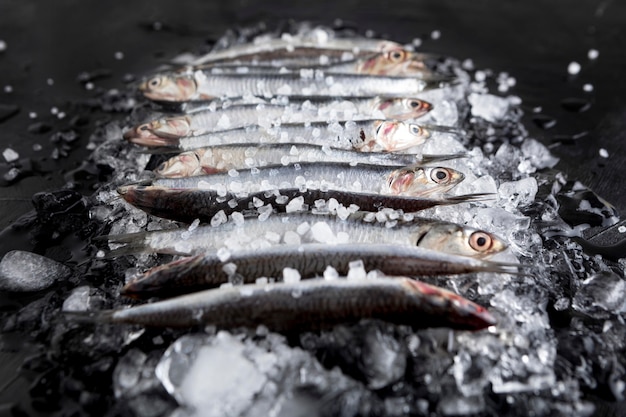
[10, 155]
[518, 193]
[603, 153]
[257, 202]
[229, 269]
[356, 270]
[538, 155]
[219, 218]
[573, 68]
[291, 275]
[78, 300]
[330, 273]
[27, 271]
[296, 204]
[593, 54]
[223, 254]
[489, 107]
[600, 295]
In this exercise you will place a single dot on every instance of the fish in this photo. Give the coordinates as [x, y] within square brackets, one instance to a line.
[310, 260]
[271, 49]
[362, 135]
[414, 180]
[202, 120]
[222, 158]
[306, 227]
[187, 205]
[307, 305]
[398, 62]
[189, 85]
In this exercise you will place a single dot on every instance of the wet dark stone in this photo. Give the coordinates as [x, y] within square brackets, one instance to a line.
[575, 105]
[58, 202]
[7, 111]
[544, 122]
[39, 127]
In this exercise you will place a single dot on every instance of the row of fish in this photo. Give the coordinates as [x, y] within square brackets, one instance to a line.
[305, 157]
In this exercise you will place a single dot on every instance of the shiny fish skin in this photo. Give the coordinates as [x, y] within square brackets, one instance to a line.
[310, 260]
[187, 205]
[218, 158]
[362, 135]
[202, 121]
[309, 305]
[411, 180]
[270, 48]
[199, 85]
[357, 227]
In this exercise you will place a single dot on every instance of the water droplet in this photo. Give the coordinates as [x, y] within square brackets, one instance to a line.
[544, 122]
[576, 105]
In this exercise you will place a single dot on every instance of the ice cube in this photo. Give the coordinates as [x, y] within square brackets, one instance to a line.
[383, 358]
[518, 193]
[600, 295]
[10, 155]
[322, 233]
[539, 156]
[78, 300]
[291, 275]
[27, 271]
[356, 270]
[489, 107]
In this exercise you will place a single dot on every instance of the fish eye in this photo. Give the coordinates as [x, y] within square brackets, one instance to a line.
[414, 103]
[480, 241]
[397, 55]
[415, 129]
[440, 175]
[154, 82]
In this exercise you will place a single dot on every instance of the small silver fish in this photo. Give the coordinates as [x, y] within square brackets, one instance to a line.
[192, 85]
[310, 260]
[306, 227]
[187, 205]
[219, 158]
[308, 305]
[412, 180]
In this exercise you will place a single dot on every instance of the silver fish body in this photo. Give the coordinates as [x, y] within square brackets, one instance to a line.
[311, 305]
[305, 227]
[310, 260]
[218, 158]
[187, 205]
[411, 180]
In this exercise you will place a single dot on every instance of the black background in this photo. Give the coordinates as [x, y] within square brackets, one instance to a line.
[534, 41]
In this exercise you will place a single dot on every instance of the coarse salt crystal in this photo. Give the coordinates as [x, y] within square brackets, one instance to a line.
[3, 45]
[573, 68]
[10, 155]
[223, 254]
[604, 153]
[291, 275]
[588, 88]
[593, 54]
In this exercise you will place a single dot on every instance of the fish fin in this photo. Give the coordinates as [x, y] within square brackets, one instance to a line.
[443, 129]
[427, 159]
[467, 198]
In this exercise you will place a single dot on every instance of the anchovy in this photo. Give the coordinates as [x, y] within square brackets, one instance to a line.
[362, 135]
[398, 62]
[202, 85]
[219, 158]
[310, 260]
[309, 305]
[187, 205]
[414, 180]
[271, 49]
[207, 120]
[305, 227]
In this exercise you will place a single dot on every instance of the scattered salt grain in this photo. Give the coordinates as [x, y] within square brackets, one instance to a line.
[356, 270]
[3, 45]
[118, 55]
[219, 218]
[229, 268]
[593, 54]
[573, 68]
[237, 218]
[296, 204]
[291, 238]
[10, 155]
[621, 229]
[330, 273]
[588, 88]
[32, 115]
[8, 89]
[291, 275]
[435, 34]
[604, 153]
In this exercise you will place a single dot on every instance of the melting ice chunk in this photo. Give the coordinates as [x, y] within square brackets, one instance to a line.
[489, 107]
[600, 294]
[518, 193]
[27, 271]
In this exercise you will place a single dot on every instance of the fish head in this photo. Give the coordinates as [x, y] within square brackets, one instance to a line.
[158, 280]
[423, 181]
[171, 127]
[186, 164]
[403, 108]
[170, 87]
[389, 46]
[398, 136]
[457, 239]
